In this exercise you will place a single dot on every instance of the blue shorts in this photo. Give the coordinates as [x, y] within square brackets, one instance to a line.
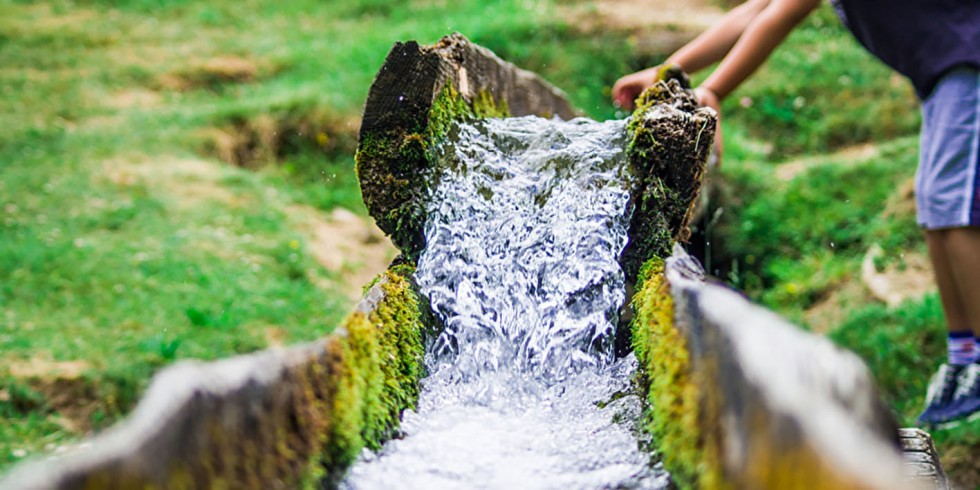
[947, 180]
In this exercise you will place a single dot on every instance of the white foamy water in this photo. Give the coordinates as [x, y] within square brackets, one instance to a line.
[524, 391]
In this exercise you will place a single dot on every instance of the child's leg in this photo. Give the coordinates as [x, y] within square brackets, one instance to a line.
[946, 279]
[948, 207]
[963, 252]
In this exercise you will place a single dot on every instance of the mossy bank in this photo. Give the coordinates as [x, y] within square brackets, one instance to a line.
[274, 419]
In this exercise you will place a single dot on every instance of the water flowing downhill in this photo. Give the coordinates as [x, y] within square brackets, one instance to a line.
[524, 391]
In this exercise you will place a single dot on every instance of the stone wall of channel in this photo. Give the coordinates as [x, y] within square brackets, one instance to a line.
[281, 418]
[742, 399]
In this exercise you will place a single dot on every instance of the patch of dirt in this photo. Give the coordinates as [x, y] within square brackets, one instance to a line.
[828, 313]
[902, 202]
[909, 279]
[654, 26]
[853, 154]
[45, 19]
[267, 138]
[346, 244]
[960, 463]
[39, 367]
[191, 181]
[134, 98]
[64, 389]
[214, 72]
[275, 336]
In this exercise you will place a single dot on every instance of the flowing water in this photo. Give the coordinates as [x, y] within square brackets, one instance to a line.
[524, 390]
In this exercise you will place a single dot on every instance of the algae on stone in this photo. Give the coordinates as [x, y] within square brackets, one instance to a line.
[674, 415]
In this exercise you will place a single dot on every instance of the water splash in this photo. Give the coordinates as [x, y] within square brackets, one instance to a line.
[523, 236]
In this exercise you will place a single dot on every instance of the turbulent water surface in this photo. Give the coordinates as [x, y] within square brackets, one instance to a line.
[524, 391]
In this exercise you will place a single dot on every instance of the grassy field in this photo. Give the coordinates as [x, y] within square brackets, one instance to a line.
[163, 167]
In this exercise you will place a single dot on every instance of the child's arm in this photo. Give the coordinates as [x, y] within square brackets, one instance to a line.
[744, 38]
[713, 44]
[709, 47]
[761, 36]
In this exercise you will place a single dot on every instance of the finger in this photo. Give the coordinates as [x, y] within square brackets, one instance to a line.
[617, 92]
[622, 98]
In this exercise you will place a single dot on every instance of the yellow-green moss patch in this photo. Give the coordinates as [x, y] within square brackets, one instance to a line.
[378, 367]
[673, 395]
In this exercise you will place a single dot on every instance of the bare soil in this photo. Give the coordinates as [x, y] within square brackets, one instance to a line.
[63, 387]
[351, 246]
[654, 26]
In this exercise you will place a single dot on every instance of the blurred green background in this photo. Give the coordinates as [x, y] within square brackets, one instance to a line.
[175, 177]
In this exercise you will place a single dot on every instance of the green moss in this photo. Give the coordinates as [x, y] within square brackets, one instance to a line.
[667, 156]
[395, 166]
[378, 370]
[450, 107]
[674, 415]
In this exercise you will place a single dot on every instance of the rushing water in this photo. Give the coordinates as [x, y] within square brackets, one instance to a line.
[524, 391]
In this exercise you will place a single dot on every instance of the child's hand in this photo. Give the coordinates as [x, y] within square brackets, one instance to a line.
[628, 88]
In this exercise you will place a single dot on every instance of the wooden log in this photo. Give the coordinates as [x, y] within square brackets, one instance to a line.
[413, 99]
[670, 139]
[922, 465]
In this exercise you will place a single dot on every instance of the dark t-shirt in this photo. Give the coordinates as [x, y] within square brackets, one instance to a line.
[921, 39]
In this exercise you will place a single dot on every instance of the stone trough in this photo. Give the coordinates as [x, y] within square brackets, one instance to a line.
[738, 398]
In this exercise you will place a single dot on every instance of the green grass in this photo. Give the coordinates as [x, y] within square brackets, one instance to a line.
[821, 91]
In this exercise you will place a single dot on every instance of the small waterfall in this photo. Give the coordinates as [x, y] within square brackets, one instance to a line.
[523, 235]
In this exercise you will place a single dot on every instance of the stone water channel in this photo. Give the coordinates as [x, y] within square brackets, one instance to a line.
[521, 266]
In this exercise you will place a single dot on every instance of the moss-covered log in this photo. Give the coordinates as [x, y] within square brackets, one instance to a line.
[741, 399]
[670, 139]
[274, 419]
[416, 95]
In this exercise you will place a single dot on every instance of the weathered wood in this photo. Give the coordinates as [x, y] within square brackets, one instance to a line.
[262, 420]
[922, 465]
[779, 408]
[671, 137]
[403, 120]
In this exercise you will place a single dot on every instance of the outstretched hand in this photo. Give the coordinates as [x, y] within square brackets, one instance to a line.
[628, 88]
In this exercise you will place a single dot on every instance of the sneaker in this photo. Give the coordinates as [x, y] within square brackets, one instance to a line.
[941, 394]
[966, 400]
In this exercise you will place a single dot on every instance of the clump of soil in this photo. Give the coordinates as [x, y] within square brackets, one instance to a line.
[346, 244]
[64, 391]
[653, 26]
[214, 72]
[254, 141]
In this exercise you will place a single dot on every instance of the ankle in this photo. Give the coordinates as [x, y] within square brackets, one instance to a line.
[962, 348]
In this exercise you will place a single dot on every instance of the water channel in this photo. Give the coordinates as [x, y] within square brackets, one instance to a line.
[524, 390]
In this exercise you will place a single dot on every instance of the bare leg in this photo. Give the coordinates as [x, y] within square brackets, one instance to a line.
[947, 280]
[955, 255]
[963, 253]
